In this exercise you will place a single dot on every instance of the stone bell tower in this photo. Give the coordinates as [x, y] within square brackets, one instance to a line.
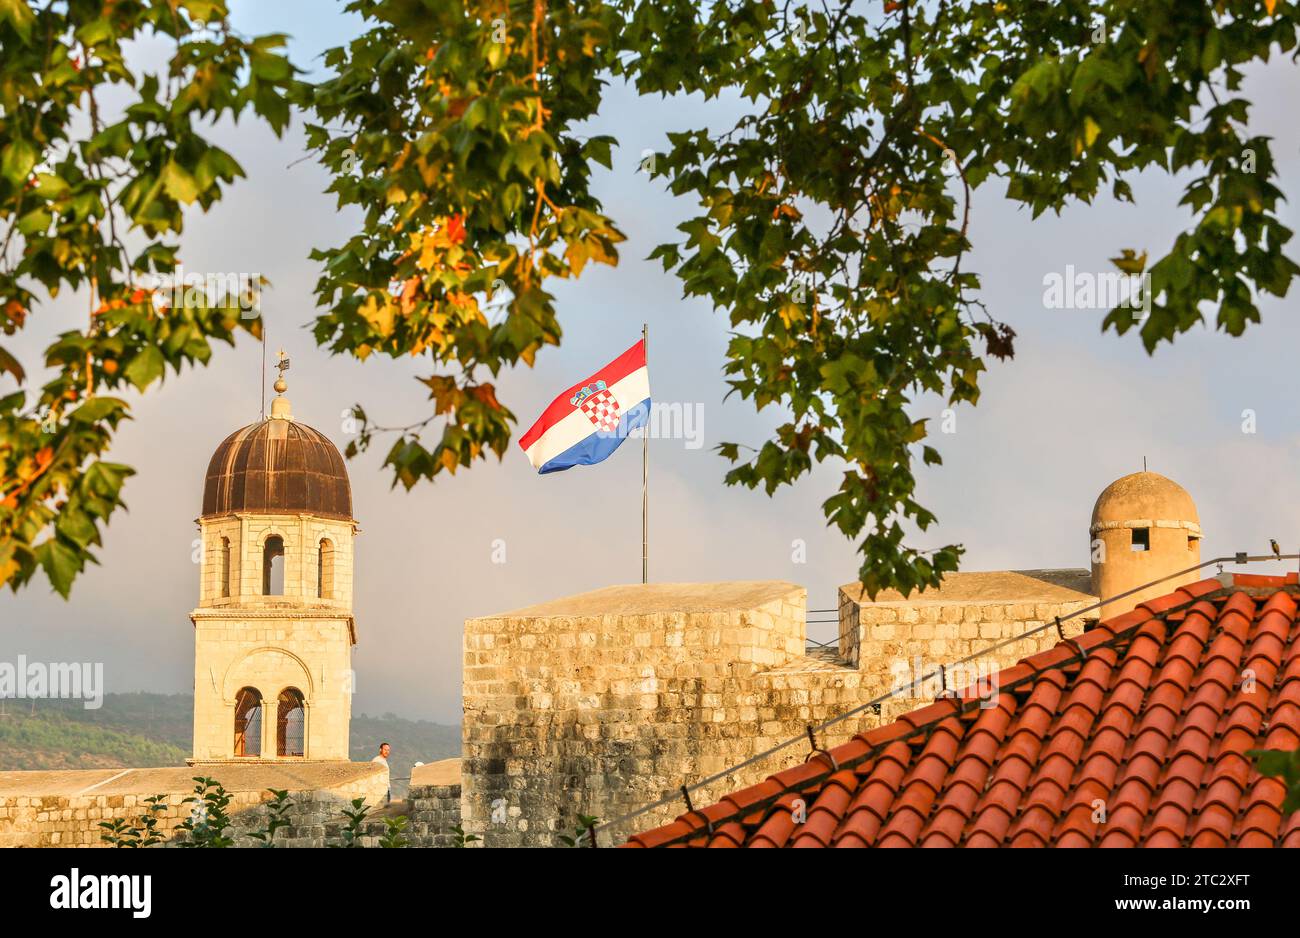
[273, 631]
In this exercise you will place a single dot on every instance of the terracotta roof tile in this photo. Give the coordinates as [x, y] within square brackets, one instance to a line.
[1136, 733]
[747, 798]
[731, 834]
[852, 751]
[1201, 588]
[799, 775]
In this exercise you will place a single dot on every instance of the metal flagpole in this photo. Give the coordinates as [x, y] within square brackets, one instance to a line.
[262, 415]
[645, 470]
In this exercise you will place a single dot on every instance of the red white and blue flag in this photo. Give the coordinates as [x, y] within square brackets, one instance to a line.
[586, 423]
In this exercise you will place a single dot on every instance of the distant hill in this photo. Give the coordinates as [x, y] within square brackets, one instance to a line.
[145, 730]
[412, 740]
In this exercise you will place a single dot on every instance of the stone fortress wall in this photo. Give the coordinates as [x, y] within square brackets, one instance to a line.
[602, 703]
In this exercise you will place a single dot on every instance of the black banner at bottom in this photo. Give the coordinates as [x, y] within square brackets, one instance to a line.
[138, 888]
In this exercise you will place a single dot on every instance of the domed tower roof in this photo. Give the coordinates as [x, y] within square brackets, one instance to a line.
[277, 466]
[1143, 495]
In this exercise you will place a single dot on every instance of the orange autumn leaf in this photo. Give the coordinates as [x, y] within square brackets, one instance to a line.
[455, 229]
[407, 298]
[486, 394]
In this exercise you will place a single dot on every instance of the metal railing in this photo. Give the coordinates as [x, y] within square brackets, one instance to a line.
[807, 622]
[683, 793]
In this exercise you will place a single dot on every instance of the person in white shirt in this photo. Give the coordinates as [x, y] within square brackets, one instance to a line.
[382, 759]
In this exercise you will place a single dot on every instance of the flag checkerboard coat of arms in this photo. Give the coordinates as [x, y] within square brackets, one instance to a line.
[601, 407]
[586, 423]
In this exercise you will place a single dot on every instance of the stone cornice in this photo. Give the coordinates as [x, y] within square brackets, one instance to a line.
[298, 614]
[244, 612]
[263, 515]
[1190, 526]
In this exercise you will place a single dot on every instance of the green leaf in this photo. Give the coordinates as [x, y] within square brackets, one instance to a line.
[598, 150]
[97, 409]
[1277, 762]
[51, 187]
[1212, 51]
[146, 367]
[95, 32]
[35, 222]
[61, 565]
[206, 11]
[179, 183]
[271, 67]
[17, 160]
[77, 527]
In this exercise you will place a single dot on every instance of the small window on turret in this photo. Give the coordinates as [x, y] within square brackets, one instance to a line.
[1141, 539]
[1193, 542]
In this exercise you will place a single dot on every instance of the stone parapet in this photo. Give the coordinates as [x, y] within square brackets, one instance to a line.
[65, 809]
[894, 641]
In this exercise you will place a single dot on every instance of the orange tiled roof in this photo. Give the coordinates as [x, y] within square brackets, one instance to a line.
[1145, 712]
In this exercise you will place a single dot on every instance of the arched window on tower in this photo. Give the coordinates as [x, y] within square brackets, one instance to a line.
[325, 569]
[290, 724]
[225, 567]
[248, 722]
[273, 566]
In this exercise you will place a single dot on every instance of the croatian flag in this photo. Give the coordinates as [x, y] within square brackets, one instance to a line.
[588, 422]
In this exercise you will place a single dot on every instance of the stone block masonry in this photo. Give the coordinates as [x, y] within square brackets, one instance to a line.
[433, 804]
[895, 640]
[65, 808]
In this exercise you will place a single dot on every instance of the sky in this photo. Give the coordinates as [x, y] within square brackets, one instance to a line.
[1075, 409]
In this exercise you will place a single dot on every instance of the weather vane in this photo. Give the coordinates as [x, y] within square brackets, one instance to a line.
[282, 365]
